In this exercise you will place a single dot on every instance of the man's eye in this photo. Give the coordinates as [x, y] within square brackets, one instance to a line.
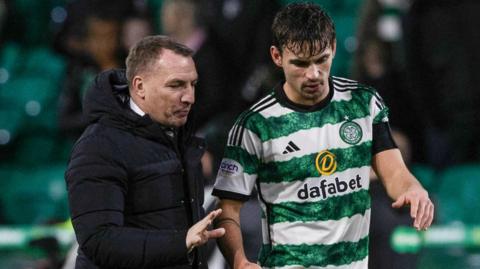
[321, 60]
[175, 86]
[301, 64]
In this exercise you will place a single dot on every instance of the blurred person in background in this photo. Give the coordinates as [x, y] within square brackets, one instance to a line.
[181, 20]
[95, 50]
[96, 36]
[134, 28]
[443, 57]
[308, 148]
[241, 31]
[379, 61]
[134, 177]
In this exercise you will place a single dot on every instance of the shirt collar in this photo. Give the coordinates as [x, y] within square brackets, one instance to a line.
[135, 108]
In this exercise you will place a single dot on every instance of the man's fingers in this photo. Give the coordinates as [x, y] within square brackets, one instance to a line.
[207, 220]
[216, 233]
[432, 214]
[212, 215]
[400, 202]
[421, 215]
[428, 216]
[196, 240]
[215, 213]
[414, 210]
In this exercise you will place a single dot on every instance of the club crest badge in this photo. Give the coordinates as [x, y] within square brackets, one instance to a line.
[351, 132]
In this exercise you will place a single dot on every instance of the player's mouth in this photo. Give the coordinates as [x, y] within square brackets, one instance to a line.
[182, 113]
[311, 87]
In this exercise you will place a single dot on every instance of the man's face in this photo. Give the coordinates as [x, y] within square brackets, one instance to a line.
[167, 92]
[306, 76]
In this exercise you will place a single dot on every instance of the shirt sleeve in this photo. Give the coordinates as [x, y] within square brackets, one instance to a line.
[237, 173]
[382, 136]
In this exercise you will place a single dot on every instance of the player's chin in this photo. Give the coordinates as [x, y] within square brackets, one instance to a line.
[311, 95]
[179, 121]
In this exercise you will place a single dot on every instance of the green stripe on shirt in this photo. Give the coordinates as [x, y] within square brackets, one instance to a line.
[342, 253]
[275, 127]
[304, 167]
[333, 208]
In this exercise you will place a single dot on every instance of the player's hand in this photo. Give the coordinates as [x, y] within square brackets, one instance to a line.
[421, 208]
[199, 234]
[248, 265]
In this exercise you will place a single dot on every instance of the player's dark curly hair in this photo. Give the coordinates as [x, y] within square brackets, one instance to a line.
[303, 27]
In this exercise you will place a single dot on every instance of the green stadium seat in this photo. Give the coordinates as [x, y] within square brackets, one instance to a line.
[157, 22]
[33, 23]
[9, 55]
[458, 196]
[11, 122]
[22, 90]
[350, 7]
[346, 44]
[18, 61]
[35, 196]
[331, 6]
[41, 60]
[35, 149]
[35, 98]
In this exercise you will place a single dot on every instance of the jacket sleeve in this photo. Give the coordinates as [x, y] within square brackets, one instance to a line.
[97, 185]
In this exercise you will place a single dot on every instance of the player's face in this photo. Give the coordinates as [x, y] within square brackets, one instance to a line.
[168, 90]
[306, 76]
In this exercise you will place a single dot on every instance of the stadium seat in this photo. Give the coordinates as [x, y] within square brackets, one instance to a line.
[11, 122]
[330, 6]
[35, 196]
[41, 60]
[35, 149]
[33, 23]
[9, 55]
[458, 194]
[351, 7]
[21, 90]
[33, 97]
[19, 60]
[345, 26]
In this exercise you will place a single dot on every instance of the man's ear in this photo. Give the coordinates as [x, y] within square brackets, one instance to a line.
[276, 55]
[138, 88]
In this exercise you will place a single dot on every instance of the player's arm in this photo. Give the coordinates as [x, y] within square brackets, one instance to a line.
[403, 187]
[231, 245]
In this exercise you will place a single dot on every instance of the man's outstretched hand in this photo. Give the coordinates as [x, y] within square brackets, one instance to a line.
[199, 234]
[421, 208]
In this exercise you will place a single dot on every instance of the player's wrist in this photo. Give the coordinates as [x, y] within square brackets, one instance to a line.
[242, 263]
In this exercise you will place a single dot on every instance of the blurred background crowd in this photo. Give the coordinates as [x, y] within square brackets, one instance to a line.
[423, 57]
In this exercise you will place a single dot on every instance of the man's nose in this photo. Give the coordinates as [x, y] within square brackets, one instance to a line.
[189, 95]
[313, 72]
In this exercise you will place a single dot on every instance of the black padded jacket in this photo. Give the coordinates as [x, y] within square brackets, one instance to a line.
[134, 186]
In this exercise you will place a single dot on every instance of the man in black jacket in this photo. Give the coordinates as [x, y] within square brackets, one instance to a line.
[134, 177]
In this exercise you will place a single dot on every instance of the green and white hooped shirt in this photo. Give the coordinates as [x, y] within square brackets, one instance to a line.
[311, 169]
